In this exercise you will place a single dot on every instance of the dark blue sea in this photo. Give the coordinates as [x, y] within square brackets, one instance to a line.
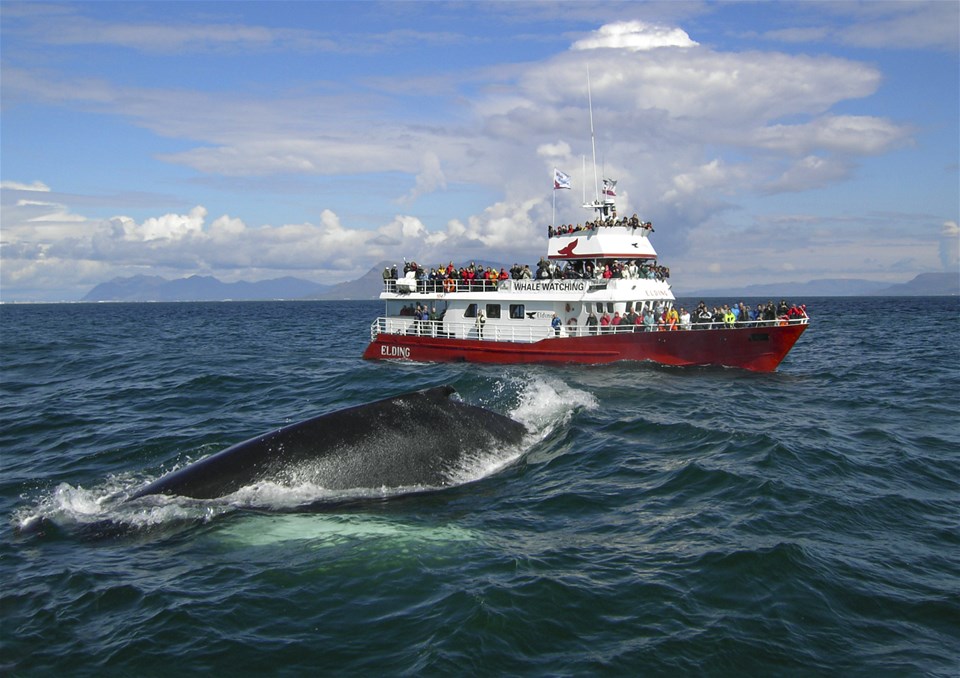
[657, 521]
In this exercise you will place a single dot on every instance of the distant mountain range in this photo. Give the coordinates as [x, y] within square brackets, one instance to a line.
[923, 285]
[202, 288]
[369, 286]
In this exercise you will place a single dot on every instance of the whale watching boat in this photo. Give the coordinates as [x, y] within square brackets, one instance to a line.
[600, 296]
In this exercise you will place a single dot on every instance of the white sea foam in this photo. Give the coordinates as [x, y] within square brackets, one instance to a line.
[74, 508]
[546, 402]
[543, 404]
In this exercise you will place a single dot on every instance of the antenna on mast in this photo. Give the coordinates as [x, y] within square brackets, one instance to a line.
[593, 141]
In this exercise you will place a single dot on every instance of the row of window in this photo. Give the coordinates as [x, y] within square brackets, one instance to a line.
[493, 311]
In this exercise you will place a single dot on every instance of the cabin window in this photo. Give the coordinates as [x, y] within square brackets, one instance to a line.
[517, 311]
[609, 307]
[493, 310]
[599, 307]
[471, 311]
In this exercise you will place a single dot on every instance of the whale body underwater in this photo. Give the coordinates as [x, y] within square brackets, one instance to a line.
[418, 439]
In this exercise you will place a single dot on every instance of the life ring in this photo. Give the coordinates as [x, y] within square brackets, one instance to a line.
[449, 285]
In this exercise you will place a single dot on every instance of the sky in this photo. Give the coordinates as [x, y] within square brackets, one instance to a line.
[767, 142]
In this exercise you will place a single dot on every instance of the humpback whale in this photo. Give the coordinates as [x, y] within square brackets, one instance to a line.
[416, 439]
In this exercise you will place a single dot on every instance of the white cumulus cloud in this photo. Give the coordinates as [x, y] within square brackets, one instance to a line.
[635, 36]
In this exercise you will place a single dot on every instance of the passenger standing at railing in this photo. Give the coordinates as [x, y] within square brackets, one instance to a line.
[703, 315]
[729, 319]
[684, 319]
[717, 318]
[556, 324]
[649, 320]
[592, 323]
[605, 322]
[481, 321]
[673, 318]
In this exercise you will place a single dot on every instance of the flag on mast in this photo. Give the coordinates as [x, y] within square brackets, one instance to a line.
[610, 187]
[560, 180]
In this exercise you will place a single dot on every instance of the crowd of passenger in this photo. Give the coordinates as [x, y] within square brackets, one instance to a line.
[448, 278]
[476, 277]
[603, 269]
[626, 222]
[662, 317]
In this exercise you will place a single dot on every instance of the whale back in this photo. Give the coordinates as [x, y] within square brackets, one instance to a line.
[416, 439]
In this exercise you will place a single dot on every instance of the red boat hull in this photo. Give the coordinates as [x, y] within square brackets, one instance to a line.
[757, 349]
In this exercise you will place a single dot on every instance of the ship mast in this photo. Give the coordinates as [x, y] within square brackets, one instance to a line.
[601, 207]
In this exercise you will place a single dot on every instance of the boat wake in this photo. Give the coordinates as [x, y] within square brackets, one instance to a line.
[541, 403]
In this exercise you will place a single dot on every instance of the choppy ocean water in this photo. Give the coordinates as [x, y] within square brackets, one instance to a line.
[659, 521]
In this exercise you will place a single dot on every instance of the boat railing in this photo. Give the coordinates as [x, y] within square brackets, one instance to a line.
[453, 285]
[409, 326]
[445, 286]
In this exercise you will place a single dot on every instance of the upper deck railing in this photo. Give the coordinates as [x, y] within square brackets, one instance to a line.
[453, 285]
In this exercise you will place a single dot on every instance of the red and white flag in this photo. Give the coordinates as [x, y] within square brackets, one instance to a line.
[560, 180]
[610, 187]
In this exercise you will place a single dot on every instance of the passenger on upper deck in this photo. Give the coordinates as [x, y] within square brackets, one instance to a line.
[567, 229]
